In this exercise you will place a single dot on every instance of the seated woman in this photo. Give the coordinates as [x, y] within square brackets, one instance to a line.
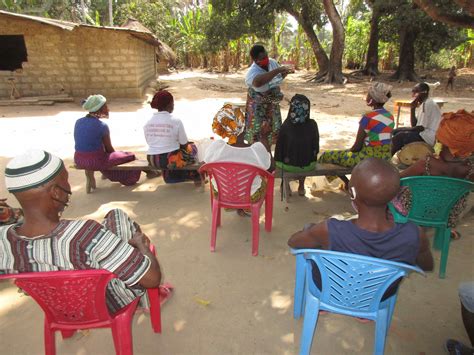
[94, 150]
[297, 146]
[373, 137]
[168, 146]
[230, 123]
[455, 145]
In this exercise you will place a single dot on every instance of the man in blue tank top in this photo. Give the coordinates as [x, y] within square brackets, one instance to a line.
[374, 183]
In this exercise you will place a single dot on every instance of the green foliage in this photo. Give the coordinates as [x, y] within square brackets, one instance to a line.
[357, 41]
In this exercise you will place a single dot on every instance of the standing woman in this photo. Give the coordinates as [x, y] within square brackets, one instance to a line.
[263, 99]
[94, 150]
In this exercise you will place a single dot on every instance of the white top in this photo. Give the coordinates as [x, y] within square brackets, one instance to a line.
[164, 133]
[256, 155]
[428, 115]
[255, 70]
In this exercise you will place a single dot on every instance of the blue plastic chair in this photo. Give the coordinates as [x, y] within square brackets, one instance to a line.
[433, 198]
[351, 284]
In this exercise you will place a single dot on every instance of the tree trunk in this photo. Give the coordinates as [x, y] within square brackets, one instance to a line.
[238, 54]
[406, 59]
[458, 20]
[274, 40]
[372, 62]
[337, 49]
[307, 25]
[225, 67]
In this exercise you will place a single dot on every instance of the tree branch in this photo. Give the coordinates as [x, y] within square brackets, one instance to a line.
[467, 5]
[437, 14]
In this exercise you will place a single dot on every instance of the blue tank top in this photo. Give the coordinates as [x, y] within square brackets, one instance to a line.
[400, 243]
[88, 133]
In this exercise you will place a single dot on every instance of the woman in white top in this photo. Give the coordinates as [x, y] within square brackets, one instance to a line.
[229, 123]
[168, 146]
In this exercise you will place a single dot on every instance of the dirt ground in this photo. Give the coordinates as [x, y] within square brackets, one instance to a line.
[229, 302]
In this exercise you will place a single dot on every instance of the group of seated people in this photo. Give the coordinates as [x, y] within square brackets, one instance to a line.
[39, 181]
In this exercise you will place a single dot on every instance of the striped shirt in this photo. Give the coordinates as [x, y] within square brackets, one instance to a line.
[78, 245]
[378, 126]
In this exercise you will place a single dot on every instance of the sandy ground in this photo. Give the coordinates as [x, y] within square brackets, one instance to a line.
[229, 302]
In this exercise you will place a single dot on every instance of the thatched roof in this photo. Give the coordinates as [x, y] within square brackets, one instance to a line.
[132, 27]
[163, 50]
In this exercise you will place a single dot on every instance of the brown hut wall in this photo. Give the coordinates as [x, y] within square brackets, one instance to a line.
[79, 62]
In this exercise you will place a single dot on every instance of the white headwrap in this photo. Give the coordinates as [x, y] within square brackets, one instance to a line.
[31, 169]
[94, 103]
[379, 91]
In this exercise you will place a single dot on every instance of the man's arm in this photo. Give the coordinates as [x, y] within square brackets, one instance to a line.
[152, 277]
[311, 237]
[424, 259]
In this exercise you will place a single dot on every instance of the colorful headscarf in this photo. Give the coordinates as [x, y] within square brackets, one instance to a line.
[229, 122]
[299, 109]
[161, 100]
[379, 92]
[456, 131]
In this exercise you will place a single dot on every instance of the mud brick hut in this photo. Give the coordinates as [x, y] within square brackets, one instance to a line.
[43, 56]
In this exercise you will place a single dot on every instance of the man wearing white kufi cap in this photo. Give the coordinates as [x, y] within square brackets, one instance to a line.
[39, 181]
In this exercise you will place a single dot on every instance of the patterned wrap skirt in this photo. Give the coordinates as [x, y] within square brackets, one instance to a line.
[262, 107]
[101, 161]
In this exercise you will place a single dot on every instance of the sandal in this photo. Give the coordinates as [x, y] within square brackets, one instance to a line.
[454, 347]
[166, 291]
[455, 235]
[243, 213]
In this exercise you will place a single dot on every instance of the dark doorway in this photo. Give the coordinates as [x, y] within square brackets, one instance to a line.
[12, 52]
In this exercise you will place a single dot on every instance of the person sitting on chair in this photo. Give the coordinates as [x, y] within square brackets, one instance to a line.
[39, 181]
[424, 117]
[297, 145]
[373, 185]
[229, 123]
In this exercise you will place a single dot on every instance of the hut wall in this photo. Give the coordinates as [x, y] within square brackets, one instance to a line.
[81, 62]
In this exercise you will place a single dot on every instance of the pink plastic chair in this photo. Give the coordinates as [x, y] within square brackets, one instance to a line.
[234, 183]
[73, 300]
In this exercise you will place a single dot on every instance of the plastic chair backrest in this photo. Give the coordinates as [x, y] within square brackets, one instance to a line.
[67, 296]
[433, 197]
[351, 282]
[234, 180]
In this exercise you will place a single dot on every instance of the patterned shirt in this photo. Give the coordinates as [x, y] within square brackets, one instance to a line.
[77, 245]
[378, 125]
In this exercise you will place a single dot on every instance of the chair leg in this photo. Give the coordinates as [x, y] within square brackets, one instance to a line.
[381, 330]
[300, 279]
[311, 313]
[67, 333]
[49, 340]
[391, 309]
[438, 239]
[215, 216]
[269, 205]
[155, 308]
[255, 228]
[444, 253]
[122, 333]
[219, 217]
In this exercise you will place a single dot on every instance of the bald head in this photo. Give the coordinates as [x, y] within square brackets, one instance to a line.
[375, 181]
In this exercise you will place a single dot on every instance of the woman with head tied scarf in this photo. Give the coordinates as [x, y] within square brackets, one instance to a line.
[93, 146]
[168, 146]
[229, 123]
[297, 146]
[455, 145]
[374, 135]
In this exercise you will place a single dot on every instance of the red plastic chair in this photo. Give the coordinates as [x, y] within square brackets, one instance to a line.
[73, 300]
[234, 183]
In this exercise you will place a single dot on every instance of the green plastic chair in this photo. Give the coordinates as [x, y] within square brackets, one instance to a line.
[433, 198]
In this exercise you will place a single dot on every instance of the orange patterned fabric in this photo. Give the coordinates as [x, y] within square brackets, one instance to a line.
[229, 122]
[456, 131]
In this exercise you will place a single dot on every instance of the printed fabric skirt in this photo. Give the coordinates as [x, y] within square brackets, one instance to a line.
[350, 159]
[177, 159]
[262, 107]
[101, 161]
